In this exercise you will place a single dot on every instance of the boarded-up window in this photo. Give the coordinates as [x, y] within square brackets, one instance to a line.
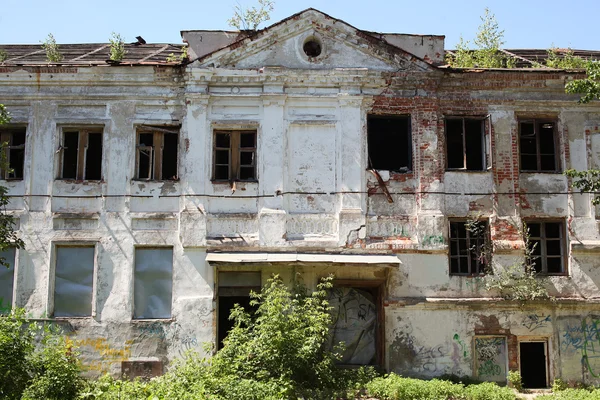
[355, 322]
[7, 278]
[389, 143]
[156, 156]
[153, 283]
[14, 152]
[491, 361]
[74, 281]
[81, 154]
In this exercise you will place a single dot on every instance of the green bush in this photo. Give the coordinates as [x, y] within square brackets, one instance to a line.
[515, 381]
[48, 371]
[573, 394]
[559, 385]
[489, 391]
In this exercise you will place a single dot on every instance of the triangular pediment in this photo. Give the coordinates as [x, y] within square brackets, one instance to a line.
[293, 43]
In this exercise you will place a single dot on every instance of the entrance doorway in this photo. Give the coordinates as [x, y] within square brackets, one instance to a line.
[534, 364]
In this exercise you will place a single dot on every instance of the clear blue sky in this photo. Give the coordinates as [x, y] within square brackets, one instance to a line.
[527, 23]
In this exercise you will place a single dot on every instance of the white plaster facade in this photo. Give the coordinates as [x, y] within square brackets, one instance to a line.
[313, 195]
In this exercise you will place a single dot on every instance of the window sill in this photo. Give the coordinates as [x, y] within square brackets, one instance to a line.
[80, 181]
[219, 182]
[150, 320]
[468, 275]
[154, 180]
[477, 171]
[541, 172]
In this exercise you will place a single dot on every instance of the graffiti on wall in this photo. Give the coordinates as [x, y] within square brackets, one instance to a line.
[463, 347]
[582, 337]
[354, 316]
[105, 354]
[491, 358]
[534, 321]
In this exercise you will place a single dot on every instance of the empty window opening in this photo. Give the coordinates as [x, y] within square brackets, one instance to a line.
[74, 280]
[153, 283]
[468, 247]
[356, 320]
[234, 156]
[14, 152]
[533, 364]
[234, 288]
[312, 47]
[81, 155]
[7, 278]
[547, 244]
[389, 142]
[465, 144]
[538, 145]
[157, 154]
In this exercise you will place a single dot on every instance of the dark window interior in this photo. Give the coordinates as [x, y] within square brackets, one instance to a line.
[389, 143]
[467, 248]
[169, 162]
[465, 147]
[15, 153]
[70, 153]
[546, 240]
[226, 304]
[533, 365]
[537, 146]
[93, 161]
[145, 155]
[234, 155]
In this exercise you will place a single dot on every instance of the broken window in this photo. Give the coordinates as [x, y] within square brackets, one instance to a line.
[153, 283]
[7, 278]
[538, 146]
[389, 142]
[467, 144]
[468, 247]
[81, 154]
[234, 156]
[14, 151]
[74, 281]
[156, 156]
[547, 244]
[234, 288]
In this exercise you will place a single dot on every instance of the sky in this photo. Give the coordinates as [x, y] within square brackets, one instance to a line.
[527, 23]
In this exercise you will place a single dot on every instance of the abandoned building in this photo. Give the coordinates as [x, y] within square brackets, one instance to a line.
[155, 192]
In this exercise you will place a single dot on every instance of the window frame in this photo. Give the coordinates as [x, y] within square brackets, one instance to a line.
[50, 308]
[83, 133]
[14, 280]
[487, 241]
[555, 138]
[6, 136]
[133, 270]
[486, 142]
[409, 141]
[234, 164]
[563, 240]
[158, 140]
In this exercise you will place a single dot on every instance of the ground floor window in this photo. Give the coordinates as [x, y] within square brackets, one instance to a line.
[533, 361]
[491, 358]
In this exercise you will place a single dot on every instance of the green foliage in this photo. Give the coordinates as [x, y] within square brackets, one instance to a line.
[564, 59]
[180, 58]
[117, 47]
[589, 87]
[515, 380]
[395, 387]
[250, 18]
[4, 115]
[559, 385]
[586, 181]
[3, 55]
[52, 50]
[27, 371]
[573, 394]
[487, 53]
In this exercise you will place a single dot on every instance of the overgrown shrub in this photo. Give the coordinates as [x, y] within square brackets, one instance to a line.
[27, 371]
[572, 394]
[515, 381]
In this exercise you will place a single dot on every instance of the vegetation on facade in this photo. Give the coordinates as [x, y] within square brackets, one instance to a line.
[249, 18]
[117, 47]
[52, 49]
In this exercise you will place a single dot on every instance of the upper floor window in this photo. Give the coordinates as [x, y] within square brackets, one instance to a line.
[156, 155]
[81, 150]
[468, 247]
[467, 144]
[234, 155]
[389, 142]
[538, 146]
[14, 151]
[547, 246]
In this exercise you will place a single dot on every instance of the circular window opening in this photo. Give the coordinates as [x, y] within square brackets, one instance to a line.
[312, 47]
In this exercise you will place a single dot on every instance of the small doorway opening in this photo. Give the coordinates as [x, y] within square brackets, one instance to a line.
[534, 364]
[234, 288]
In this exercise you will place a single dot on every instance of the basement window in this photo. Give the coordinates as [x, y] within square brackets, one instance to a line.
[156, 155]
[547, 244]
[81, 151]
[74, 281]
[234, 155]
[7, 278]
[153, 283]
[389, 142]
[468, 247]
[538, 146]
[14, 152]
[467, 144]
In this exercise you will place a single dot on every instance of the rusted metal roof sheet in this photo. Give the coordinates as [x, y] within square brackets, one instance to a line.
[94, 54]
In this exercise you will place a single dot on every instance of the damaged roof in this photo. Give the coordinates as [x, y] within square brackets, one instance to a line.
[94, 54]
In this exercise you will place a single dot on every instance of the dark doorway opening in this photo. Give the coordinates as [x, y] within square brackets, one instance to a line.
[533, 365]
[225, 306]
